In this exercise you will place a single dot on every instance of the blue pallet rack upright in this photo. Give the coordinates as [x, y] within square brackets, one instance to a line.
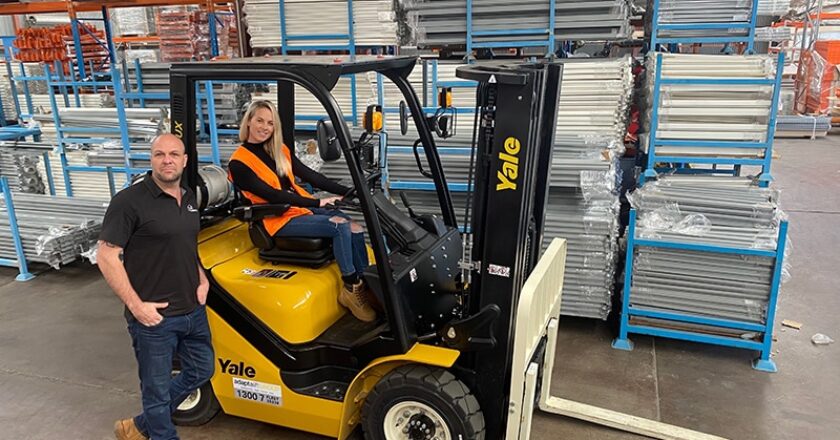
[748, 39]
[20, 260]
[655, 141]
[628, 311]
[15, 131]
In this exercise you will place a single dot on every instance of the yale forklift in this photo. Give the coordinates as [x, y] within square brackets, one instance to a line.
[459, 349]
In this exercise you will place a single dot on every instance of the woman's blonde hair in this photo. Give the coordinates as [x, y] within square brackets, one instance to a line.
[274, 144]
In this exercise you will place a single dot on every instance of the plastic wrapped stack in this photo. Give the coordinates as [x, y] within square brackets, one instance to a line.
[706, 211]
[19, 163]
[133, 21]
[175, 30]
[583, 206]
[818, 83]
[710, 112]
[374, 22]
[53, 230]
[444, 23]
[799, 126]
[588, 220]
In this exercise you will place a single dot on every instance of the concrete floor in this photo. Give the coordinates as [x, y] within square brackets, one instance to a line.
[67, 370]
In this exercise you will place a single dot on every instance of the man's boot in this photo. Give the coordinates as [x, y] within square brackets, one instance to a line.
[126, 430]
[354, 297]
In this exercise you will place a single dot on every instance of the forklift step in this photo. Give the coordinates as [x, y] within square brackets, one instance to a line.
[349, 332]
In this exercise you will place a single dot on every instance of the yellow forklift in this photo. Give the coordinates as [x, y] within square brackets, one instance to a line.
[458, 351]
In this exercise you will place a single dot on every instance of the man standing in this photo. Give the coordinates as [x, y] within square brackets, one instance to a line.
[148, 255]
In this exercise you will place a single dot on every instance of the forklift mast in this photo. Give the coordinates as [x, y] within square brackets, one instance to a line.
[517, 107]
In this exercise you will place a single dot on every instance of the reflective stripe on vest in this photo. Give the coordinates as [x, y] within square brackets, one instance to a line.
[270, 177]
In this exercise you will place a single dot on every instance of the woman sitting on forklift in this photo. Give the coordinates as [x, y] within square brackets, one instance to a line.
[264, 170]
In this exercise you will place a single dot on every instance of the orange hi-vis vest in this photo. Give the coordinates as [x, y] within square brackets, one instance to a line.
[270, 177]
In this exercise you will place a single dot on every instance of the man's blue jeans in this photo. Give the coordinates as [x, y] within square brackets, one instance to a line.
[349, 248]
[189, 336]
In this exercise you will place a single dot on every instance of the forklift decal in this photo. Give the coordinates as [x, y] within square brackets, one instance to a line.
[258, 391]
[500, 271]
[270, 273]
[510, 165]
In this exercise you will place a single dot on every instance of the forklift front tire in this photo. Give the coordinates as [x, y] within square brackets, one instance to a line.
[421, 402]
[198, 408]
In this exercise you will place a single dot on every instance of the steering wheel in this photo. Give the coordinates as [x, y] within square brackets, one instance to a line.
[370, 179]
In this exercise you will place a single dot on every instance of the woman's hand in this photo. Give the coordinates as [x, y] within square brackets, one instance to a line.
[329, 201]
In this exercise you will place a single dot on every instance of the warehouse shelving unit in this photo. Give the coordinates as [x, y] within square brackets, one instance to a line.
[763, 330]
[653, 158]
[547, 33]
[85, 75]
[749, 27]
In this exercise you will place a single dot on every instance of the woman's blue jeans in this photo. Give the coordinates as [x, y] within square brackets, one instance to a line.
[349, 248]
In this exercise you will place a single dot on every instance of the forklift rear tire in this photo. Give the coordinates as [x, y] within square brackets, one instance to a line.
[198, 408]
[421, 402]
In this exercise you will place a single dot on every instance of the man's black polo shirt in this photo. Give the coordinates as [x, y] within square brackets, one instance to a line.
[159, 241]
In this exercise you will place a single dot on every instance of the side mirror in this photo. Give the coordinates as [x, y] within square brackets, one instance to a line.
[327, 141]
[403, 118]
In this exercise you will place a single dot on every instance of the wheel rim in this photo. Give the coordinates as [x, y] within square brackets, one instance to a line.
[412, 420]
[191, 401]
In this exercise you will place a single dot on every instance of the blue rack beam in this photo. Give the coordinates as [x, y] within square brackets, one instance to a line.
[763, 362]
[654, 141]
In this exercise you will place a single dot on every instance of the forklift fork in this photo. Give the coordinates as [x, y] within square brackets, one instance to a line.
[537, 317]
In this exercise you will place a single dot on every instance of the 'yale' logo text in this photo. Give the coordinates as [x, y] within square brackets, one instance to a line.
[510, 165]
[239, 369]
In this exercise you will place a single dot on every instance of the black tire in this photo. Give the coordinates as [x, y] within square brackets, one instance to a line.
[451, 401]
[198, 412]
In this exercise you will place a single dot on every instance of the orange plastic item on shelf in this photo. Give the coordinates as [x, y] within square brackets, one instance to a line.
[830, 50]
[818, 84]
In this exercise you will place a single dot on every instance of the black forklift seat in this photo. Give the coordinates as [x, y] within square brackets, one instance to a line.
[299, 251]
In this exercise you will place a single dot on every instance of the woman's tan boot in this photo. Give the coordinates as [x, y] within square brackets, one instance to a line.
[355, 299]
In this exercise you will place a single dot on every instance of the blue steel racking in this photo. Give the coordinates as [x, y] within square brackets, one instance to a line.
[14, 131]
[548, 42]
[20, 261]
[349, 36]
[749, 39]
[430, 95]
[654, 141]
[763, 362]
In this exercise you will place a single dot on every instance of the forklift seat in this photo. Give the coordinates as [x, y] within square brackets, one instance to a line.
[299, 251]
